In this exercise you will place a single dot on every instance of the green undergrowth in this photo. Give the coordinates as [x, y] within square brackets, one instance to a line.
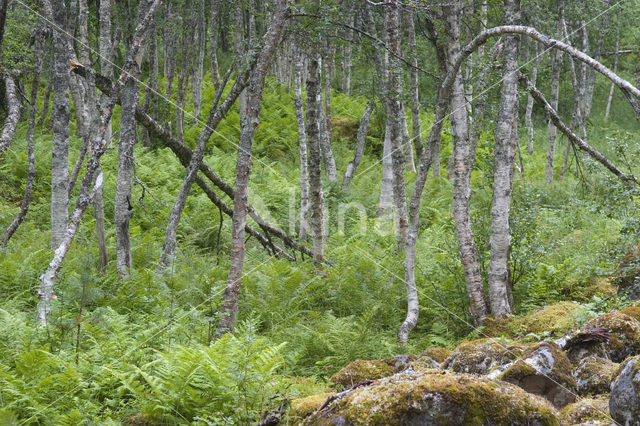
[144, 346]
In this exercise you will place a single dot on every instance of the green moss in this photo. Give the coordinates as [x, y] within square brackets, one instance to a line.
[482, 355]
[438, 354]
[302, 407]
[358, 371]
[446, 398]
[558, 318]
[594, 375]
[587, 409]
[632, 311]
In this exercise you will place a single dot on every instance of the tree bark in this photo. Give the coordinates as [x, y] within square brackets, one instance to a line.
[302, 141]
[60, 118]
[385, 202]
[529, 111]
[201, 36]
[607, 109]
[146, 10]
[463, 165]
[325, 139]
[556, 65]
[13, 115]
[506, 140]
[186, 65]
[170, 45]
[361, 139]
[151, 88]
[314, 159]
[243, 165]
[122, 206]
[406, 141]
[414, 87]
[213, 39]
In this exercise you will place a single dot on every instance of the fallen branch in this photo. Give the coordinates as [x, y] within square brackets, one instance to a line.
[573, 138]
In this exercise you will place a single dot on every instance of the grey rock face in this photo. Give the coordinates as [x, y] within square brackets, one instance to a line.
[624, 403]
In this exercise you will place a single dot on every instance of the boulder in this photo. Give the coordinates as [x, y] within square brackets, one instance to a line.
[594, 375]
[587, 411]
[438, 354]
[544, 370]
[362, 370]
[624, 338]
[559, 319]
[302, 407]
[435, 398]
[481, 356]
[624, 402]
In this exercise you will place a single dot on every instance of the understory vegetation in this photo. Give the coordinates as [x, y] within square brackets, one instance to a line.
[115, 349]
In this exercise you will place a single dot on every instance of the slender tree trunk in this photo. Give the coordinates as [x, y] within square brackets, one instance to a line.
[406, 141]
[386, 186]
[325, 142]
[185, 66]
[327, 78]
[607, 110]
[463, 165]
[199, 68]
[506, 140]
[151, 87]
[348, 56]
[213, 39]
[243, 165]
[170, 45]
[361, 139]
[4, 6]
[314, 159]
[415, 94]
[47, 98]
[302, 140]
[556, 65]
[60, 115]
[529, 111]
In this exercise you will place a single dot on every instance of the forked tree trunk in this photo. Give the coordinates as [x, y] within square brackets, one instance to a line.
[302, 141]
[60, 118]
[314, 159]
[361, 139]
[506, 140]
[243, 165]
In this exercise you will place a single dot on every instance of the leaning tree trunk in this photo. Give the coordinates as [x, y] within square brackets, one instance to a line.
[463, 165]
[361, 139]
[302, 140]
[99, 146]
[314, 159]
[60, 117]
[243, 166]
[506, 140]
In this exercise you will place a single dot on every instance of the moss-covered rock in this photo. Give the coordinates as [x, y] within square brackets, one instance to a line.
[544, 370]
[624, 337]
[358, 371]
[361, 370]
[632, 311]
[438, 354]
[481, 356]
[558, 318]
[418, 398]
[587, 411]
[302, 407]
[624, 402]
[594, 375]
